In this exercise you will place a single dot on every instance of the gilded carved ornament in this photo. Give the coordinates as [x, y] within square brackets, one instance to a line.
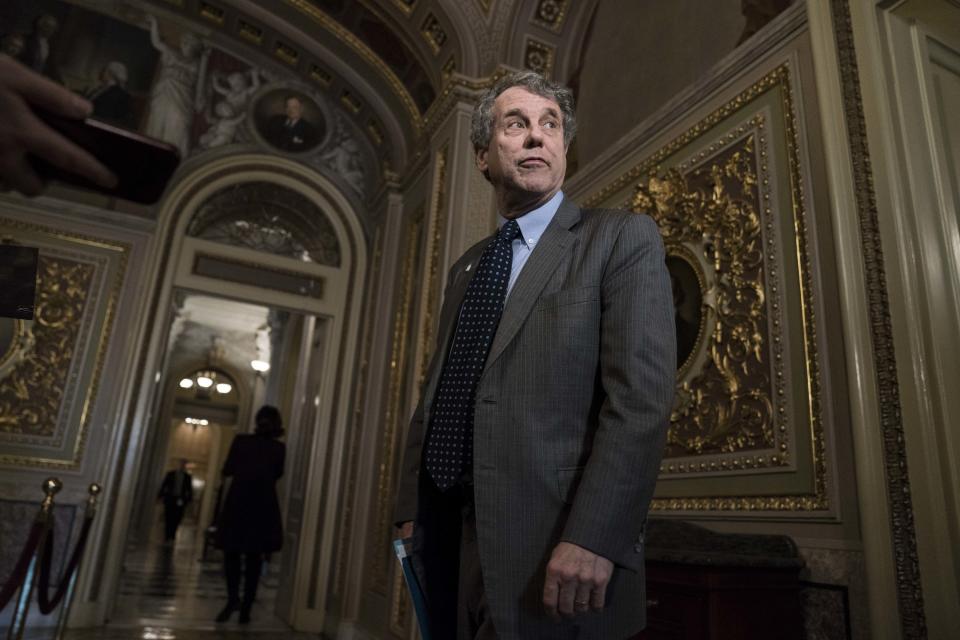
[33, 378]
[708, 219]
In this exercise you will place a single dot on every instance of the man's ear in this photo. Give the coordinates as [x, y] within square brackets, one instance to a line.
[482, 160]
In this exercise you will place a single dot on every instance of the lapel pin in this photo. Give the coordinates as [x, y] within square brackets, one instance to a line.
[468, 267]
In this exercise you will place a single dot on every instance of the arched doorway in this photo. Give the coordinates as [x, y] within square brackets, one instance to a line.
[265, 231]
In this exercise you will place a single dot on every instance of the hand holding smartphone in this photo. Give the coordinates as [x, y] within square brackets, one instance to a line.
[143, 166]
[43, 134]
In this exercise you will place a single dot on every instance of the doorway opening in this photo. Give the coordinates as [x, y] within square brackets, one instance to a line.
[224, 359]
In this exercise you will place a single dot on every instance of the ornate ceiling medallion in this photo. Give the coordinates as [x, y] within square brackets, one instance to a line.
[538, 57]
[550, 14]
[433, 33]
[250, 32]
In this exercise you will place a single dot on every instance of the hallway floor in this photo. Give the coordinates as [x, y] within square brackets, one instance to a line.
[168, 593]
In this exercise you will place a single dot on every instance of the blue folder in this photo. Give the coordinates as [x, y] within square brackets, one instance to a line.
[402, 549]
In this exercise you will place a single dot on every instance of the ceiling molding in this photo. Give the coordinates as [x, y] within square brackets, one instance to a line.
[347, 37]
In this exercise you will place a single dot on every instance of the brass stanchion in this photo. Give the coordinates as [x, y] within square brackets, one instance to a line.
[51, 486]
[90, 512]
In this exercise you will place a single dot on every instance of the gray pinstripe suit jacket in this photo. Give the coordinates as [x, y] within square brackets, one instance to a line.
[571, 416]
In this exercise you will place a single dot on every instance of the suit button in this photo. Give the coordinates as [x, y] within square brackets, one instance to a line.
[638, 548]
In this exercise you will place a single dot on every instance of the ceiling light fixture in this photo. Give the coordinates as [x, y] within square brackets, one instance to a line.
[203, 382]
[260, 365]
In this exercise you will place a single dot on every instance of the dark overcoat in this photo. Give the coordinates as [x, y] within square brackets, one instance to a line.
[250, 520]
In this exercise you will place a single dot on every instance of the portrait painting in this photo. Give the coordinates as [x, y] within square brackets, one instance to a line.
[106, 60]
[687, 304]
[290, 121]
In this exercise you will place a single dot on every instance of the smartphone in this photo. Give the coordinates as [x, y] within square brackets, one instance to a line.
[143, 165]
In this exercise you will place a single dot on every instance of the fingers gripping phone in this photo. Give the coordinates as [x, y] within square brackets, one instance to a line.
[143, 165]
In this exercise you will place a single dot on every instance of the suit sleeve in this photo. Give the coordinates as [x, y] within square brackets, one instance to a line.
[406, 504]
[637, 377]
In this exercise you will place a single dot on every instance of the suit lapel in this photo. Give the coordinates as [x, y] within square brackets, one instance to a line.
[541, 264]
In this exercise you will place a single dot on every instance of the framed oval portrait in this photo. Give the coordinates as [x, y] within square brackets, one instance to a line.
[688, 306]
[290, 120]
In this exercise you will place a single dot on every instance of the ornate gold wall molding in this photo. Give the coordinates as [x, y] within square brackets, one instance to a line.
[902, 527]
[32, 393]
[747, 429]
[51, 378]
[437, 231]
[711, 219]
[645, 168]
[380, 552]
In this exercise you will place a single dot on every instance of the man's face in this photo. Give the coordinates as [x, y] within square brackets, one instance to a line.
[526, 159]
[293, 109]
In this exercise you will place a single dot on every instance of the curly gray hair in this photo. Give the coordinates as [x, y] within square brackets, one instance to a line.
[481, 125]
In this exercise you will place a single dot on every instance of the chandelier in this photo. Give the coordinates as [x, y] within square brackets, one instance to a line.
[205, 381]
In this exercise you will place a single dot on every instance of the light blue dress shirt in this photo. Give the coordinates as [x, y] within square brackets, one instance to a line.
[532, 225]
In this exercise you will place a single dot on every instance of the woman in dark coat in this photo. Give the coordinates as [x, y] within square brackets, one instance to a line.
[250, 523]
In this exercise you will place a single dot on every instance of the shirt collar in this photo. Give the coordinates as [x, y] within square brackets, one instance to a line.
[534, 222]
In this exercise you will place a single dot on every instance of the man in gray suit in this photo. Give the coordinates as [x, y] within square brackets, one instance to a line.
[531, 459]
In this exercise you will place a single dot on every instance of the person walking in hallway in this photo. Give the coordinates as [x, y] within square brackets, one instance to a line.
[250, 524]
[176, 492]
[531, 458]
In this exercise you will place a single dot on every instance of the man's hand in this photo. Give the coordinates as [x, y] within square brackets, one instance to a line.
[22, 132]
[405, 530]
[576, 580]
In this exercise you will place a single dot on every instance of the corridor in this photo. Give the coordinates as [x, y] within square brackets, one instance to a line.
[170, 593]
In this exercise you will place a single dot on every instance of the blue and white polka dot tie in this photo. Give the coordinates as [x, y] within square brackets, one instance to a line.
[449, 449]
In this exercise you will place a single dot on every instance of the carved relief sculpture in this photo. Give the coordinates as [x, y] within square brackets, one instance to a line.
[747, 427]
[709, 222]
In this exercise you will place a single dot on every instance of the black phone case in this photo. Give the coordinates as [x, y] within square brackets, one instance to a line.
[143, 166]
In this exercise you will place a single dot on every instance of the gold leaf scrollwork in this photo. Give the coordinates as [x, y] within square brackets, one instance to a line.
[709, 218]
[32, 392]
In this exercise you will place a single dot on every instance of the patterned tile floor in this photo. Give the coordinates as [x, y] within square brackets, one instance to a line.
[168, 593]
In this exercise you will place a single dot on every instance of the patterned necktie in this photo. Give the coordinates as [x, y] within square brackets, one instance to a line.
[449, 449]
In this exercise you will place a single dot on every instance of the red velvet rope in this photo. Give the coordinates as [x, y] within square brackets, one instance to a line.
[23, 563]
[47, 604]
